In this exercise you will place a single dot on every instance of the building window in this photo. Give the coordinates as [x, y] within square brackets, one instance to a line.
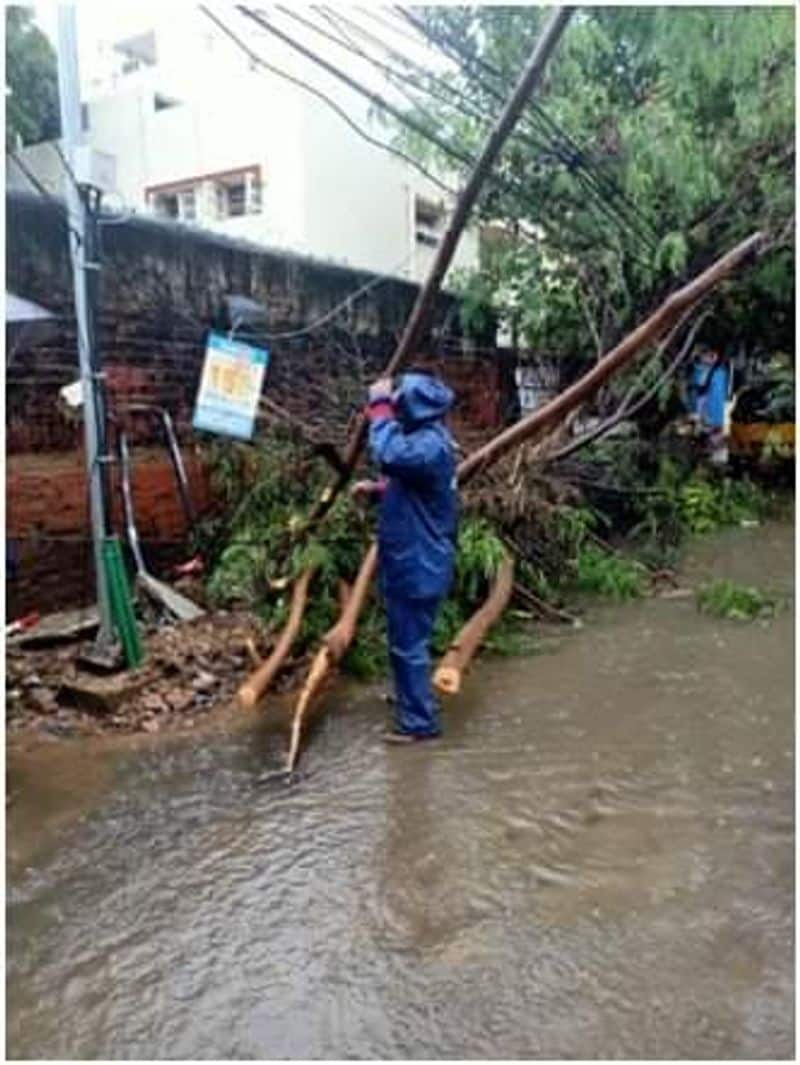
[187, 205]
[174, 203]
[234, 198]
[207, 197]
[238, 195]
[165, 204]
[429, 221]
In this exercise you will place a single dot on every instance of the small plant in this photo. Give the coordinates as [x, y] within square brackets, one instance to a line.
[608, 575]
[708, 505]
[736, 602]
[480, 553]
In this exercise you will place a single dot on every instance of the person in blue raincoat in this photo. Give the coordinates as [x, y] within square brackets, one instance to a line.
[416, 534]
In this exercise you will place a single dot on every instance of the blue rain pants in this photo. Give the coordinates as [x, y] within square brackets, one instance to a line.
[410, 625]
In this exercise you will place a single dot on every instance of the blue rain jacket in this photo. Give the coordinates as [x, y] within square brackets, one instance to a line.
[419, 510]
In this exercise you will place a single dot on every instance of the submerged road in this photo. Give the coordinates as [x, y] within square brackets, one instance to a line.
[597, 862]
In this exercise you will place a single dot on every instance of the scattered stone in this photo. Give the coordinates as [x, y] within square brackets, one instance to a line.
[180, 699]
[43, 699]
[189, 667]
[102, 695]
[155, 703]
[204, 682]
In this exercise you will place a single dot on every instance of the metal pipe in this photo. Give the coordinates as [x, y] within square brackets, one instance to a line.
[69, 99]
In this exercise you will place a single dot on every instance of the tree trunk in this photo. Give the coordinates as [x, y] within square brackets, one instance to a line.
[258, 682]
[653, 327]
[448, 676]
[425, 302]
[340, 636]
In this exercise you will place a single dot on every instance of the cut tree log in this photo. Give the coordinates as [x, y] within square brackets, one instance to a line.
[334, 646]
[450, 671]
[257, 683]
[340, 636]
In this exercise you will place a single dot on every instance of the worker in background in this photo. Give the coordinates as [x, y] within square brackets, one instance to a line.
[711, 389]
[416, 534]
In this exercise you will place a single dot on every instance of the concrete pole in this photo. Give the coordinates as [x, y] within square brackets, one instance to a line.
[71, 135]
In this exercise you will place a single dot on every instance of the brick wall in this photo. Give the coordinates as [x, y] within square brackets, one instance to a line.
[163, 287]
[47, 524]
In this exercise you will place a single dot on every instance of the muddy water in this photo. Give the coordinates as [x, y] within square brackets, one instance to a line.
[596, 863]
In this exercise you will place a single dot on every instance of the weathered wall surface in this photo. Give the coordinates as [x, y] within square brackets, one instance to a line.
[49, 559]
[163, 287]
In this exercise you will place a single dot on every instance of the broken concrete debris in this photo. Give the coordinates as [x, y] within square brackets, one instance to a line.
[191, 668]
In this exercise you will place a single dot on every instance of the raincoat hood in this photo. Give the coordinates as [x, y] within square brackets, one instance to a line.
[421, 399]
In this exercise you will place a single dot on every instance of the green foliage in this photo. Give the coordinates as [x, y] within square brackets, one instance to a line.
[707, 505]
[672, 254]
[480, 552]
[736, 602]
[600, 573]
[31, 81]
[267, 489]
[688, 111]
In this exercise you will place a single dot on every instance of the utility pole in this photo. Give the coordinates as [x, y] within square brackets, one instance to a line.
[81, 206]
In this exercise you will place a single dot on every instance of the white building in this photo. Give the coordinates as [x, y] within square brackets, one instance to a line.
[199, 133]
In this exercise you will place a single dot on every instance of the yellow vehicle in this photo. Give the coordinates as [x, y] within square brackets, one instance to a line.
[762, 425]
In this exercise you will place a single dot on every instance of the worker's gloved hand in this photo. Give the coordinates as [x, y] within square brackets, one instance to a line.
[364, 489]
[381, 391]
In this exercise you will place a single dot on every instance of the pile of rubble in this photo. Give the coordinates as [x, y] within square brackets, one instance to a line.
[189, 669]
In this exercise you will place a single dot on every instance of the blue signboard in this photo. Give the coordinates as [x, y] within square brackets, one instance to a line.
[227, 399]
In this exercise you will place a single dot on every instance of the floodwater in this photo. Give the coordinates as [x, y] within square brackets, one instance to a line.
[597, 862]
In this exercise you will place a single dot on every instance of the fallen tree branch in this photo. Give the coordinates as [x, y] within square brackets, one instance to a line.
[628, 408]
[324, 448]
[543, 606]
[340, 636]
[538, 422]
[334, 647]
[257, 683]
[448, 676]
[419, 318]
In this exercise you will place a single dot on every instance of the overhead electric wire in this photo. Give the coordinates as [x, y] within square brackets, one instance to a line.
[451, 96]
[354, 49]
[574, 157]
[461, 156]
[545, 147]
[259, 61]
[464, 103]
[455, 51]
[464, 158]
[374, 97]
[384, 21]
[395, 77]
[399, 81]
